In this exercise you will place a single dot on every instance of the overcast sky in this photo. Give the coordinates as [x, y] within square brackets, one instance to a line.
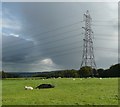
[49, 36]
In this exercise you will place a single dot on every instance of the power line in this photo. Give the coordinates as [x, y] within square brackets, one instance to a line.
[57, 53]
[60, 34]
[48, 42]
[64, 26]
[51, 41]
[48, 48]
[55, 47]
[53, 30]
[44, 43]
[71, 24]
[71, 43]
[64, 45]
[106, 48]
[61, 27]
[51, 49]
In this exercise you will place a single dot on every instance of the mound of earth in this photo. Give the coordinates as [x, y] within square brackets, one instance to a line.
[41, 86]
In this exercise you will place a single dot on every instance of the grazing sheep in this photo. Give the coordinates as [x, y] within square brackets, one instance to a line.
[45, 86]
[28, 88]
[100, 78]
[73, 78]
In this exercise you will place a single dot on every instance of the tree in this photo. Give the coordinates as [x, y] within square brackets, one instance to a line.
[4, 75]
[114, 70]
[101, 72]
[85, 71]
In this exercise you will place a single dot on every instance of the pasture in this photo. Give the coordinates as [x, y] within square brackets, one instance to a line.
[90, 91]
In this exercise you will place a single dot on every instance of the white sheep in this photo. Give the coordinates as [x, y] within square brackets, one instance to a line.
[28, 88]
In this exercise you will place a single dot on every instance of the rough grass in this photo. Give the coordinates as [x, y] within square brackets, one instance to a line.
[0, 92]
[91, 91]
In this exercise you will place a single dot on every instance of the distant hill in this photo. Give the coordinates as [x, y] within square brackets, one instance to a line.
[113, 71]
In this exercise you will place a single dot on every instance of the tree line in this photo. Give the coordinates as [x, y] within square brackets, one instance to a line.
[86, 71]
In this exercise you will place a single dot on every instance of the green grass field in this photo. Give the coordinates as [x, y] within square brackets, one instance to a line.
[91, 91]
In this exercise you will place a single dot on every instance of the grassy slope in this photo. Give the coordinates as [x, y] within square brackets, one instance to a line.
[67, 92]
[0, 93]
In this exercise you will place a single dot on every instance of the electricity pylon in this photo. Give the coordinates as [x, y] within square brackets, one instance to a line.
[88, 53]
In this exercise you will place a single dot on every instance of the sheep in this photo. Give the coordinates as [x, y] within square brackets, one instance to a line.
[73, 78]
[28, 88]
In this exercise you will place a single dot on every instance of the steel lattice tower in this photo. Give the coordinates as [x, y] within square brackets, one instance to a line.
[88, 53]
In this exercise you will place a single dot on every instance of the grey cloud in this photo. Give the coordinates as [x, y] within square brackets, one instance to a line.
[15, 49]
[63, 45]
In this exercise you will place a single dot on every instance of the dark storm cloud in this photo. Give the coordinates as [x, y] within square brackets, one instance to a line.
[52, 15]
[15, 49]
[52, 34]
